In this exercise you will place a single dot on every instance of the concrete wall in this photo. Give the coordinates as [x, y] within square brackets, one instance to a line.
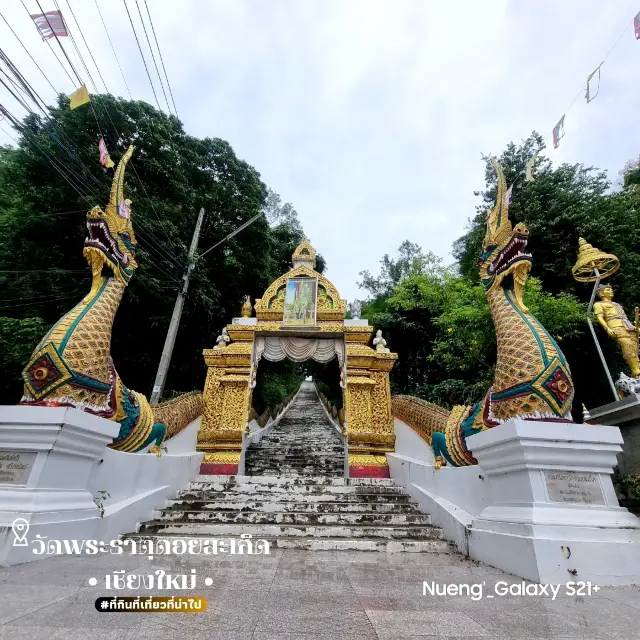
[138, 483]
[453, 496]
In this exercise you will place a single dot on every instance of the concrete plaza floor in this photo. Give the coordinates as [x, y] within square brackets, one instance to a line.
[299, 595]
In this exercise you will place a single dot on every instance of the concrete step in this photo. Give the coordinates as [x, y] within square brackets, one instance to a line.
[336, 544]
[308, 480]
[398, 532]
[291, 517]
[294, 487]
[294, 495]
[293, 506]
[345, 498]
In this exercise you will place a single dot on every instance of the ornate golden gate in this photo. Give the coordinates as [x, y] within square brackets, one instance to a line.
[232, 368]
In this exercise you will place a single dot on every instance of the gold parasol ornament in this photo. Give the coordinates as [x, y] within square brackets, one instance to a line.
[590, 259]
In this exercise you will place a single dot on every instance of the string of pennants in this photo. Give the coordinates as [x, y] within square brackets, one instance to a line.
[592, 90]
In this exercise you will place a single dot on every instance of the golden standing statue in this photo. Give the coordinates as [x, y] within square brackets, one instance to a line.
[614, 321]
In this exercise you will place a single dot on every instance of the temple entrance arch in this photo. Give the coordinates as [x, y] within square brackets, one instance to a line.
[300, 316]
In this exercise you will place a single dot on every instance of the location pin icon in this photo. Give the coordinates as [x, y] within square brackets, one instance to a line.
[20, 529]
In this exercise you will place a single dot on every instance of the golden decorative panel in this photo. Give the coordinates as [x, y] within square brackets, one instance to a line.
[367, 460]
[271, 305]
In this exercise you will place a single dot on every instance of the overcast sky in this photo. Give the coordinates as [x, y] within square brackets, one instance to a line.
[370, 116]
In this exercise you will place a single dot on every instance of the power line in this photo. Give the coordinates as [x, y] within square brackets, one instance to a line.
[46, 77]
[113, 49]
[37, 304]
[146, 35]
[233, 233]
[52, 270]
[79, 58]
[59, 43]
[50, 47]
[86, 45]
[158, 247]
[140, 49]
[161, 60]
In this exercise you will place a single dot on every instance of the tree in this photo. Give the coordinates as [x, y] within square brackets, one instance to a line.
[440, 325]
[559, 206]
[171, 175]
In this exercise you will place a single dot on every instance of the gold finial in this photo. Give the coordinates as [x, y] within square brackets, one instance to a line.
[590, 259]
[304, 253]
[585, 413]
[246, 307]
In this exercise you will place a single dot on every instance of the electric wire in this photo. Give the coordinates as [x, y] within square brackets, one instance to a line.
[87, 45]
[161, 60]
[155, 64]
[38, 304]
[140, 49]
[50, 47]
[46, 77]
[113, 49]
[148, 244]
[59, 43]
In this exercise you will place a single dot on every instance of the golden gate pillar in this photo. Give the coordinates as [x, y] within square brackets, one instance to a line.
[369, 423]
[227, 402]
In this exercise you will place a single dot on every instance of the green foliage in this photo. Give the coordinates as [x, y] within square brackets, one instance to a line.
[18, 337]
[170, 177]
[631, 486]
[562, 204]
[326, 375]
[275, 381]
[440, 325]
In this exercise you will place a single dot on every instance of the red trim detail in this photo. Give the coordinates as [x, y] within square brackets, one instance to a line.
[368, 472]
[213, 469]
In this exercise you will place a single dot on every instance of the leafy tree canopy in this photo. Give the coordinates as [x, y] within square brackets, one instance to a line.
[170, 177]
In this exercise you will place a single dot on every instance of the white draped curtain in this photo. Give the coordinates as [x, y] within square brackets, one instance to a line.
[275, 349]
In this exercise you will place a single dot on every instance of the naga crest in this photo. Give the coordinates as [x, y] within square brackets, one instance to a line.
[111, 240]
[503, 248]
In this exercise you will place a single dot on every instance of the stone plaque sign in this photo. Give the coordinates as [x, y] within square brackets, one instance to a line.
[570, 486]
[15, 466]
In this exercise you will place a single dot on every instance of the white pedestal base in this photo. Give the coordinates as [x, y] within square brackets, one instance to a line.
[552, 515]
[62, 447]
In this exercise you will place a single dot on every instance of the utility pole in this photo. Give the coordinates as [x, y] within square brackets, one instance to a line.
[158, 385]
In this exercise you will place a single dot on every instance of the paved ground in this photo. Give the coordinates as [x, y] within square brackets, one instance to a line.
[299, 595]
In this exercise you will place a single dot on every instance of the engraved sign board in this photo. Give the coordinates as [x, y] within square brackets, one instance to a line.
[573, 487]
[15, 466]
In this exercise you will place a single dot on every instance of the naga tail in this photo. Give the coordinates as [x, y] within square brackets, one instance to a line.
[423, 417]
[178, 413]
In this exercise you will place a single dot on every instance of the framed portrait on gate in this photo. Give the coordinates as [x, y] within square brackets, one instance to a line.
[300, 302]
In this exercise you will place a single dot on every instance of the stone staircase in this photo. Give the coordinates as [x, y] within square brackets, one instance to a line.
[297, 497]
[303, 443]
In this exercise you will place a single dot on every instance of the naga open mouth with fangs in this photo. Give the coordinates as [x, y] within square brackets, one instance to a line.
[532, 379]
[72, 366]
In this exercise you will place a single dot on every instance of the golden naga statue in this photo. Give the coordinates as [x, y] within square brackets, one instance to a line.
[614, 321]
[72, 365]
[532, 378]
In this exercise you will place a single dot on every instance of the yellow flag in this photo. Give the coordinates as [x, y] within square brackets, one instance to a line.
[79, 97]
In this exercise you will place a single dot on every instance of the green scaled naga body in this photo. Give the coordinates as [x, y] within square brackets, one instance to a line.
[72, 366]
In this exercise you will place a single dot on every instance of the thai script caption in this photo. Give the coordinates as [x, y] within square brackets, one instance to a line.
[140, 546]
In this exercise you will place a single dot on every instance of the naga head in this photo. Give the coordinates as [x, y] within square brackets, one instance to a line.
[503, 262]
[111, 240]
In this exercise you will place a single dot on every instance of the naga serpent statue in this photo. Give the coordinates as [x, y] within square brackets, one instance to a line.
[72, 366]
[532, 378]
